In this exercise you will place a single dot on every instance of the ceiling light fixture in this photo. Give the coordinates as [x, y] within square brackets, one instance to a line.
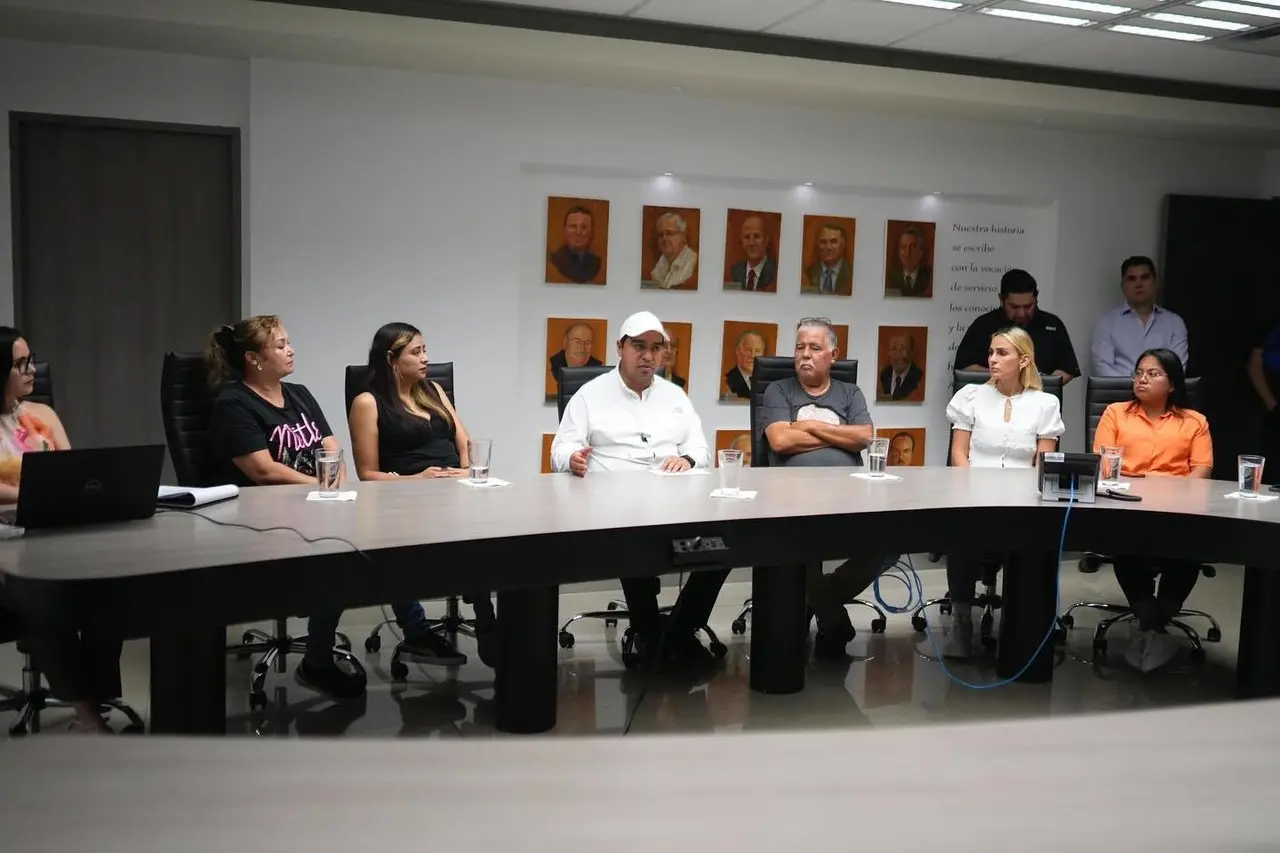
[1193, 21]
[1160, 34]
[1082, 6]
[666, 175]
[1036, 16]
[930, 4]
[1265, 2]
[808, 183]
[1238, 8]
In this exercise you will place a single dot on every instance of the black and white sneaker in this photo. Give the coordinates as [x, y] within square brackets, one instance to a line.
[431, 648]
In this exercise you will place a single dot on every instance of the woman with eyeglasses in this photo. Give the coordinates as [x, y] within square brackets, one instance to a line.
[80, 658]
[1159, 436]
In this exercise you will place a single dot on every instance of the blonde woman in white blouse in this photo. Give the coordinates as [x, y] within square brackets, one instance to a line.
[1002, 424]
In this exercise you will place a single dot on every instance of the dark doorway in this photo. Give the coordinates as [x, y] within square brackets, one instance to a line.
[126, 245]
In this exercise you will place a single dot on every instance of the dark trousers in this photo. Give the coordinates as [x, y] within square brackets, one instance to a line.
[1137, 577]
[410, 616]
[693, 606]
[963, 573]
[80, 666]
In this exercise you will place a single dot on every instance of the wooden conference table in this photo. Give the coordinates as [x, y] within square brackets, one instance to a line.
[181, 579]
[1196, 779]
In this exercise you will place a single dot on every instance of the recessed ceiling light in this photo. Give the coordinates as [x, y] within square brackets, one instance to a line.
[931, 4]
[808, 183]
[1238, 8]
[1160, 34]
[666, 174]
[937, 192]
[1194, 21]
[1082, 6]
[1036, 16]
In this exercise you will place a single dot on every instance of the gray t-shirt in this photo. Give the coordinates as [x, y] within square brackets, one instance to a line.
[786, 401]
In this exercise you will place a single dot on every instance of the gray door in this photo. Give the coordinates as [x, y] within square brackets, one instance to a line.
[126, 241]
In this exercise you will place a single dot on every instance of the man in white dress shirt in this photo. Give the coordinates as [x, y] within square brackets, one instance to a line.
[678, 261]
[1123, 334]
[631, 421]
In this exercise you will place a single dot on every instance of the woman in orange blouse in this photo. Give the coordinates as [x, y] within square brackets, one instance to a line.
[1159, 436]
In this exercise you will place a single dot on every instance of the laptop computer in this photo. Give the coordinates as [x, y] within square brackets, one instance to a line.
[61, 488]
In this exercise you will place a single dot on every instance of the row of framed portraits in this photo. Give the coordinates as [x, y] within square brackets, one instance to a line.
[577, 250]
[906, 445]
[901, 355]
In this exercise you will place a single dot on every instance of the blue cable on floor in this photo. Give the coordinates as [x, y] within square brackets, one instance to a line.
[905, 573]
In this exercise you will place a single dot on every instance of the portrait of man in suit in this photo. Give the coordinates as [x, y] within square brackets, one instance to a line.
[670, 257]
[675, 361]
[909, 267]
[734, 439]
[577, 240]
[751, 251]
[906, 445]
[547, 438]
[742, 343]
[829, 250]
[572, 343]
[901, 376]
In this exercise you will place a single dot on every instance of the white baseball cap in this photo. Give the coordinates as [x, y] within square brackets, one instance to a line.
[639, 323]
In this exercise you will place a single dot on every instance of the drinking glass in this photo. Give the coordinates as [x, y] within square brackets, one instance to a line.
[877, 456]
[480, 450]
[328, 472]
[1112, 458]
[730, 472]
[1250, 474]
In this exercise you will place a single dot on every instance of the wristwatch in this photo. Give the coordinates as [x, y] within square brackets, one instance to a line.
[689, 459]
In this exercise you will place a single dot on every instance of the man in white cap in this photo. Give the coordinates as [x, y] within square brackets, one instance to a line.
[630, 420]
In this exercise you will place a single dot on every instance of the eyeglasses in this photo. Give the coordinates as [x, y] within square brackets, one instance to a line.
[25, 365]
[1150, 374]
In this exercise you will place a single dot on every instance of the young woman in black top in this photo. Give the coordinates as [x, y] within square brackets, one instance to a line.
[264, 431]
[405, 426]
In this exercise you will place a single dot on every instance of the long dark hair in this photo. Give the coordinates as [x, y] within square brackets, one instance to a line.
[8, 337]
[388, 343]
[228, 345]
[1172, 367]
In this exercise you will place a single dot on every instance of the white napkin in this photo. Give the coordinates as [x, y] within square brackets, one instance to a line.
[742, 495]
[683, 473]
[1121, 485]
[1261, 499]
[340, 496]
[864, 475]
[491, 483]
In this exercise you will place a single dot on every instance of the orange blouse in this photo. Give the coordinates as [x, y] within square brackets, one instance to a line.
[21, 432]
[1173, 443]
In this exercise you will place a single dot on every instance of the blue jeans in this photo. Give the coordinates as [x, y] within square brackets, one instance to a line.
[322, 627]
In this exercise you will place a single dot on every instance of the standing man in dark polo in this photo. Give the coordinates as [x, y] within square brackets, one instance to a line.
[1018, 307]
[814, 420]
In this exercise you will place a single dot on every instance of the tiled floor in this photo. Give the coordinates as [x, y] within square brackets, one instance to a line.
[890, 682]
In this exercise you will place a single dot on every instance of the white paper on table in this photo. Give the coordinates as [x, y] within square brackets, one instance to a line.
[184, 496]
[740, 495]
[1120, 485]
[864, 475]
[683, 473]
[491, 483]
[1261, 499]
[337, 497]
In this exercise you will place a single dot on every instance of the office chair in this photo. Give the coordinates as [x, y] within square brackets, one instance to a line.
[186, 404]
[32, 698]
[453, 623]
[767, 370]
[1101, 392]
[569, 381]
[988, 599]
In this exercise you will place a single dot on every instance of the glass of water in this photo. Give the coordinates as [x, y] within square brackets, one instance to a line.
[1112, 458]
[730, 471]
[877, 456]
[328, 472]
[1250, 475]
[480, 451]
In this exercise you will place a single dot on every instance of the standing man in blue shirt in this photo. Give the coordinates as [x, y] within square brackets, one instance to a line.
[1139, 325]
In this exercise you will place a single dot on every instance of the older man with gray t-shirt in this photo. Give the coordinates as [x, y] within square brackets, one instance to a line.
[814, 420]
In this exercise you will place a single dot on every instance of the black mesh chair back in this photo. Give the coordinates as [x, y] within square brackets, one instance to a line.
[572, 379]
[1102, 391]
[186, 404]
[43, 391]
[768, 369]
[358, 376]
[961, 378]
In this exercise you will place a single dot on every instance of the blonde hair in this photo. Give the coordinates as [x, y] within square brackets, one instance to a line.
[228, 346]
[1029, 376]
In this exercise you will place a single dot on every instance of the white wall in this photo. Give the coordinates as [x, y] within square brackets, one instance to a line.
[85, 81]
[383, 195]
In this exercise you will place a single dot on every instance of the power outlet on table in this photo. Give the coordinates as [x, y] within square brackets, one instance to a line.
[700, 550]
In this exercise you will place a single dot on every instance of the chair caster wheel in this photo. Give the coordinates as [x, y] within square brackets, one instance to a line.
[719, 650]
[945, 608]
[1088, 565]
[611, 623]
[399, 672]
[878, 625]
[257, 700]
[373, 644]
[566, 640]
[1067, 620]
[918, 624]
[738, 626]
[1213, 636]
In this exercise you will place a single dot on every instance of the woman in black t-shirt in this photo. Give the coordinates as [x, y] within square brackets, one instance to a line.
[405, 426]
